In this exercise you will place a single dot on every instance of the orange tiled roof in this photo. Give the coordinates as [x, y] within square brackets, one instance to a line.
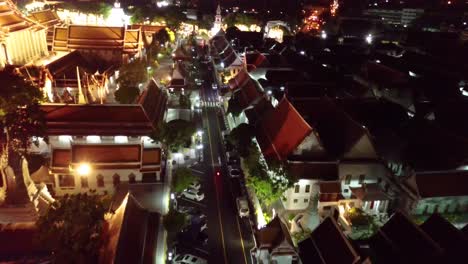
[11, 19]
[96, 119]
[106, 153]
[281, 131]
[238, 80]
[152, 156]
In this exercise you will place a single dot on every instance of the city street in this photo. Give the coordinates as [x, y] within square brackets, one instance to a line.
[230, 238]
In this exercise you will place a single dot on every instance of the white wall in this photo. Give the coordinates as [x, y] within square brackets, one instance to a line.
[451, 204]
[371, 171]
[299, 200]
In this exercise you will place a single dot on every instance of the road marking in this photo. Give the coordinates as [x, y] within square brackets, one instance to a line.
[217, 195]
[197, 171]
[237, 218]
[191, 201]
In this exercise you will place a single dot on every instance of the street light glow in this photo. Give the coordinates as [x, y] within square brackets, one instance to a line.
[83, 169]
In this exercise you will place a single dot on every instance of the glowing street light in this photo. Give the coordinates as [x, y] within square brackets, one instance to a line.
[83, 169]
[369, 39]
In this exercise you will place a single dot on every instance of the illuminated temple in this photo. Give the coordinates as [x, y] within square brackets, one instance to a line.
[22, 40]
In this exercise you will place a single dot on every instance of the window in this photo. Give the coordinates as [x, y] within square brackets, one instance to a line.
[379, 180]
[100, 181]
[362, 177]
[131, 178]
[307, 190]
[346, 190]
[295, 201]
[296, 188]
[348, 179]
[306, 200]
[66, 180]
[84, 182]
[116, 179]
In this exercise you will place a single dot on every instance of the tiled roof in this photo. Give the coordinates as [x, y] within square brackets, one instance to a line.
[325, 171]
[96, 119]
[337, 132]
[281, 130]
[11, 19]
[330, 191]
[248, 94]
[154, 102]
[151, 156]
[273, 234]
[452, 240]
[106, 153]
[401, 241]
[238, 80]
[454, 184]
[46, 17]
[130, 235]
[370, 192]
[327, 245]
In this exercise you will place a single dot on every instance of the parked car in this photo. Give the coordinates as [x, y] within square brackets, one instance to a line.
[234, 171]
[188, 259]
[192, 194]
[242, 206]
[214, 86]
[187, 210]
[195, 185]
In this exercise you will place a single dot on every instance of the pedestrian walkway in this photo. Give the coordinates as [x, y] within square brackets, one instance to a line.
[209, 103]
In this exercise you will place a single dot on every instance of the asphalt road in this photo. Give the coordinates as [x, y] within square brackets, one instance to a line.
[230, 238]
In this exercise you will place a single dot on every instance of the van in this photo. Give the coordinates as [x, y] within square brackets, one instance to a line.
[242, 206]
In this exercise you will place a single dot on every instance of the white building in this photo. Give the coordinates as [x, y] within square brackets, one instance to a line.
[22, 41]
[96, 147]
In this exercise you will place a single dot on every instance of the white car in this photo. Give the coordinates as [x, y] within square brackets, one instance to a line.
[195, 186]
[234, 171]
[242, 207]
[214, 86]
[188, 259]
[192, 195]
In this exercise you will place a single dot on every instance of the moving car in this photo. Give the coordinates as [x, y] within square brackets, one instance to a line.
[192, 194]
[214, 86]
[187, 210]
[188, 259]
[242, 206]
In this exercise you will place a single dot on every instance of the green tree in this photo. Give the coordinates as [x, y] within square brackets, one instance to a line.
[72, 228]
[174, 17]
[132, 74]
[162, 36]
[241, 137]
[174, 134]
[182, 178]
[173, 222]
[301, 235]
[20, 116]
[127, 94]
[265, 190]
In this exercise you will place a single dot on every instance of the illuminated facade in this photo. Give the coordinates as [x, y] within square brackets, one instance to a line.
[110, 44]
[218, 21]
[98, 147]
[21, 40]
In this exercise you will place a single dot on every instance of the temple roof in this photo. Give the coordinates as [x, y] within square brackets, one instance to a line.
[327, 245]
[96, 119]
[11, 19]
[281, 130]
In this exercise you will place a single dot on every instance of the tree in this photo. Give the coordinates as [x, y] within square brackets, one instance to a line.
[266, 191]
[127, 94]
[234, 107]
[174, 17]
[241, 137]
[132, 74]
[72, 228]
[20, 116]
[162, 36]
[182, 178]
[174, 134]
[174, 221]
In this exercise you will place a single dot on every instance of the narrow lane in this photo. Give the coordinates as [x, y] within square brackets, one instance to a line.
[226, 238]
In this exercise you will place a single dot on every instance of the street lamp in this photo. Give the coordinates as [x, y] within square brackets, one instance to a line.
[83, 169]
